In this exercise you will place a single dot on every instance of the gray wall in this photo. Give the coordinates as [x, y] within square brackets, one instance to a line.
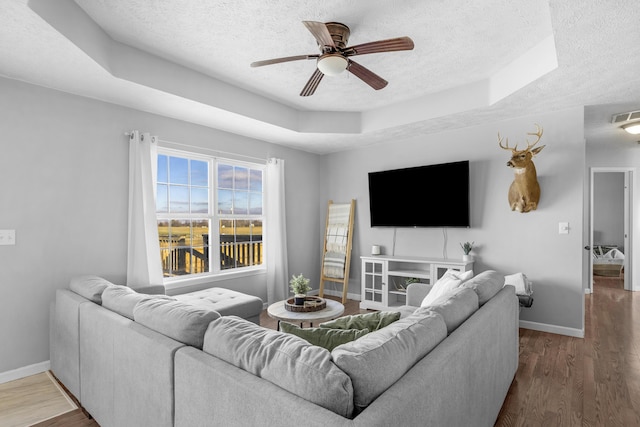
[64, 167]
[507, 241]
[608, 209]
[64, 171]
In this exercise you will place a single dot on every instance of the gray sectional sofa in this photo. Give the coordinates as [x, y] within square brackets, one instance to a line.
[140, 360]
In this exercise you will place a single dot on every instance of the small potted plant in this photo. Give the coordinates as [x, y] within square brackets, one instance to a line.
[299, 286]
[466, 248]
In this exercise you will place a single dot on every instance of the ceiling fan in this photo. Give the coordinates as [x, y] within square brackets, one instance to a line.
[332, 38]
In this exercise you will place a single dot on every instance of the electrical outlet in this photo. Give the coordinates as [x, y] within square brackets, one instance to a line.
[7, 237]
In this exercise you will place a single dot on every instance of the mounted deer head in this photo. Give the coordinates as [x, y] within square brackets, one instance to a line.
[524, 192]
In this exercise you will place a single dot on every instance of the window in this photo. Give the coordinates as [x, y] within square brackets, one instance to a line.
[210, 214]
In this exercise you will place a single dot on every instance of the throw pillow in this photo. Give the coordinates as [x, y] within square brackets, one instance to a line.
[448, 282]
[519, 281]
[371, 321]
[324, 337]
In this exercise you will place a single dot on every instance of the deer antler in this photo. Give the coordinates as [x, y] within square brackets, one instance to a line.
[507, 146]
[538, 134]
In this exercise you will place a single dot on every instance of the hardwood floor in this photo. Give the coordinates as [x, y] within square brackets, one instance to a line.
[561, 381]
[595, 381]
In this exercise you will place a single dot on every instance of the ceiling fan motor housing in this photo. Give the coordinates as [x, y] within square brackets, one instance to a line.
[339, 33]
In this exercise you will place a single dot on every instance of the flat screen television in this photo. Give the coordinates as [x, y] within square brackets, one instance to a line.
[423, 196]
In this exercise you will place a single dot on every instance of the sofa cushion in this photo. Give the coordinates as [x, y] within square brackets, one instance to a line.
[486, 285]
[282, 359]
[90, 287]
[449, 281]
[324, 337]
[224, 301]
[178, 320]
[371, 321]
[378, 359]
[455, 307]
[123, 299]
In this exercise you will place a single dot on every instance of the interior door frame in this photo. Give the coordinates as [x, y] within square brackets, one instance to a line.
[627, 222]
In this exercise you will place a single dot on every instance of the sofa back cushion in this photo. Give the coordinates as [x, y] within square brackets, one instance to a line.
[180, 321]
[123, 299]
[282, 359]
[377, 360]
[486, 285]
[455, 307]
[90, 287]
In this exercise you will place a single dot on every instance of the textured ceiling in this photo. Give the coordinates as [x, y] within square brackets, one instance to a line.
[190, 60]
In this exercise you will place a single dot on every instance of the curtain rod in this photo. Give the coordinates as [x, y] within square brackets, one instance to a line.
[207, 149]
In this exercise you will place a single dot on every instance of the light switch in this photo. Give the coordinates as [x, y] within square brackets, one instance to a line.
[7, 237]
[563, 228]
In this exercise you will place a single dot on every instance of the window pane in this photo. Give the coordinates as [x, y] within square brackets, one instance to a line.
[255, 180]
[240, 203]
[199, 200]
[183, 247]
[162, 198]
[178, 170]
[255, 203]
[227, 238]
[162, 168]
[240, 243]
[178, 198]
[225, 201]
[199, 173]
[241, 178]
[225, 176]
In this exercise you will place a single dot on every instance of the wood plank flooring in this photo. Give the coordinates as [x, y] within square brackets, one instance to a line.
[595, 381]
[32, 399]
[561, 381]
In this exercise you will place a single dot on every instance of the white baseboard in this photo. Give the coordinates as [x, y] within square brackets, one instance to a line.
[553, 329]
[25, 371]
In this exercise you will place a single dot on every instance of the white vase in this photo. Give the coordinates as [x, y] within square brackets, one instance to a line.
[467, 258]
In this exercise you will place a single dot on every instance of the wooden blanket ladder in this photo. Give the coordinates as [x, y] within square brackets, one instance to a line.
[336, 253]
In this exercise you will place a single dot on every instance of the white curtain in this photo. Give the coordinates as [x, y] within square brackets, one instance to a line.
[143, 257]
[276, 236]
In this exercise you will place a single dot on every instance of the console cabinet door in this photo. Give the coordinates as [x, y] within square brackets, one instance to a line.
[374, 286]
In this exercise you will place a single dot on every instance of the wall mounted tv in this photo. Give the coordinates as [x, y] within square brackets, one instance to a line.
[423, 196]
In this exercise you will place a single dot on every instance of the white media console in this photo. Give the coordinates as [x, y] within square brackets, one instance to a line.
[384, 277]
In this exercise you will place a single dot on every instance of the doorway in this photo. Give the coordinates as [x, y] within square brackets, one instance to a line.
[610, 224]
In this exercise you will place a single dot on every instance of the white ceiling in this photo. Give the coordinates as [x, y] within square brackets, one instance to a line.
[473, 62]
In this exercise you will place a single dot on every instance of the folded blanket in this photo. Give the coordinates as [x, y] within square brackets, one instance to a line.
[334, 265]
[519, 280]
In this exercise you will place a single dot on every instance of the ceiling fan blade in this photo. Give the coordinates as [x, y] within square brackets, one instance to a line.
[389, 45]
[320, 32]
[312, 84]
[284, 59]
[366, 75]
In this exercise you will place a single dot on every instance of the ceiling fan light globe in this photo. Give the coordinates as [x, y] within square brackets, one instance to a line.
[332, 65]
[632, 128]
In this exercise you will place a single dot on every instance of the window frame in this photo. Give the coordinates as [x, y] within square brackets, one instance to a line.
[214, 218]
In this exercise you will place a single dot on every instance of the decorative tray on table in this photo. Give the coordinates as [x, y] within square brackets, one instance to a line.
[310, 304]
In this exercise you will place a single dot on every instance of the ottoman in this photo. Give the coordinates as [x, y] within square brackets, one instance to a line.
[226, 302]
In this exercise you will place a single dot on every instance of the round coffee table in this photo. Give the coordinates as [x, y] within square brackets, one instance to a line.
[333, 310]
